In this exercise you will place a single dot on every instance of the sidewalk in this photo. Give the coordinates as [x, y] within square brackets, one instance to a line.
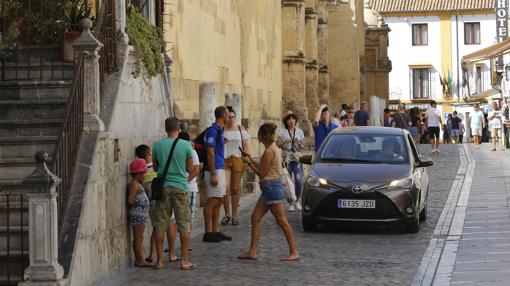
[471, 243]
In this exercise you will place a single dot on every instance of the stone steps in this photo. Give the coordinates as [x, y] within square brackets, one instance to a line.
[35, 90]
[26, 146]
[34, 127]
[16, 168]
[32, 109]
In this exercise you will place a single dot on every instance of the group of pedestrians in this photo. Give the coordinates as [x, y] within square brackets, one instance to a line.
[225, 155]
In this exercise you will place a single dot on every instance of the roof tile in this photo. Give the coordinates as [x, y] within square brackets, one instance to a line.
[417, 6]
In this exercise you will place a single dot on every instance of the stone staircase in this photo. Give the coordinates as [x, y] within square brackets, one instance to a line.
[31, 114]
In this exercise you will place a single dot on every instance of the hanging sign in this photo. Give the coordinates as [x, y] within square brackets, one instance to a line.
[502, 19]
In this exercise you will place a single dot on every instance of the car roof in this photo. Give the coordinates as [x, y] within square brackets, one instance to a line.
[370, 130]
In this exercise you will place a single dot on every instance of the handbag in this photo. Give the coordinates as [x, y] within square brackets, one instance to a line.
[288, 186]
[157, 183]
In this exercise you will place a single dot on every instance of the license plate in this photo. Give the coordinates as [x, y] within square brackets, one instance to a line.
[356, 204]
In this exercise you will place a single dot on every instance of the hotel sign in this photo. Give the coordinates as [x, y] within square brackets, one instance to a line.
[502, 19]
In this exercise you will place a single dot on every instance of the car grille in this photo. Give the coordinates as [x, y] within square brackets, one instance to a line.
[384, 207]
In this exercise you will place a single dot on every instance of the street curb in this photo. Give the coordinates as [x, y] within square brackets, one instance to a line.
[438, 261]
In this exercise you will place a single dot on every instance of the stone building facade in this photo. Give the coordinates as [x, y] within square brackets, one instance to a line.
[325, 49]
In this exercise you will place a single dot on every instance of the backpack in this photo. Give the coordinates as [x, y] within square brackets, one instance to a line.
[199, 145]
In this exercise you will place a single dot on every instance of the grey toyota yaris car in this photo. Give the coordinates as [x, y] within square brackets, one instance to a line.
[366, 174]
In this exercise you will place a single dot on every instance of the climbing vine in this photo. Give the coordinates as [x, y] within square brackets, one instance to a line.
[147, 41]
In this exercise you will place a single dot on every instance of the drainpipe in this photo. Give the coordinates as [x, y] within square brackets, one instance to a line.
[458, 56]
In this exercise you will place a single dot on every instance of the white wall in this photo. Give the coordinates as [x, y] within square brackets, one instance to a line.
[487, 38]
[402, 53]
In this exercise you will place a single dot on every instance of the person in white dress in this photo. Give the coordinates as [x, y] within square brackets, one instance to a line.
[496, 119]
[236, 139]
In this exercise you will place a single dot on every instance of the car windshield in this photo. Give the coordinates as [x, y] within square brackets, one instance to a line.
[365, 148]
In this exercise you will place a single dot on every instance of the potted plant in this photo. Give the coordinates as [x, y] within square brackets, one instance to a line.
[75, 11]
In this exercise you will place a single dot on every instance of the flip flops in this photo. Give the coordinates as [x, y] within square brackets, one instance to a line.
[142, 265]
[175, 260]
[192, 266]
[225, 220]
[246, 257]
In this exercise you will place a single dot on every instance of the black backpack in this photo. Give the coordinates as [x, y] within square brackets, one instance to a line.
[199, 145]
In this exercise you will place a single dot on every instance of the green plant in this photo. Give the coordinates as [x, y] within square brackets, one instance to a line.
[7, 39]
[75, 11]
[147, 41]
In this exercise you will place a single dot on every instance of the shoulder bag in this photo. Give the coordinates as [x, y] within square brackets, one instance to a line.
[157, 183]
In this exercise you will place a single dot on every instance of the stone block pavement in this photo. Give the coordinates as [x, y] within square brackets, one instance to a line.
[333, 255]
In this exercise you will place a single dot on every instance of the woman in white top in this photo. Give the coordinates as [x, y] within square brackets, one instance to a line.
[291, 140]
[236, 138]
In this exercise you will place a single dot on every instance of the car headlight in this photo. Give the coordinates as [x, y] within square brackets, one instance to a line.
[404, 183]
[314, 181]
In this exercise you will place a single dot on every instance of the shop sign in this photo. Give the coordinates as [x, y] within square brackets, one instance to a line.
[502, 19]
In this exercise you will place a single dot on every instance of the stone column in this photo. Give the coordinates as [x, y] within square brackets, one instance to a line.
[120, 14]
[322, 46]
[207, 99]
[293, 77]
[88, 47]
[44, 268]
[311, 50]
[234, 100]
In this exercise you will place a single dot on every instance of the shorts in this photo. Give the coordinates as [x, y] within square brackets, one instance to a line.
[234, 164]
[413, 130]
[496, 132]
[272, 192]
[476, 131]
[433, 131]
[456, 133]
[220, 189]
[174, 201]
[192, 204]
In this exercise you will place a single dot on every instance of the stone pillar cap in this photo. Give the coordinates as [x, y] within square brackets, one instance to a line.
[42, 180]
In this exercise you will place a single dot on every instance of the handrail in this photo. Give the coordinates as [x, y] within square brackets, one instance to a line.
[66, 150]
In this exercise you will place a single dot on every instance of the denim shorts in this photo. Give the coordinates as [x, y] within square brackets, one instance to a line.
[272, 192]
[413, 130]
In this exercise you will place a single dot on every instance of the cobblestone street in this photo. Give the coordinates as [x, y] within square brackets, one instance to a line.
[330, 256]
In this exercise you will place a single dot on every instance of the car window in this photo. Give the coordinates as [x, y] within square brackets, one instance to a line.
[365, 147]
[416, 152]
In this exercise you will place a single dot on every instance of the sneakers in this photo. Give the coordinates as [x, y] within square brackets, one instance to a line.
[298, 206]
[292, 208]
[222, 236]
[211, 237]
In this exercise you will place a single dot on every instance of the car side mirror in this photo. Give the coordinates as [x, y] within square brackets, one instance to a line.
[306, 159]
[425, 162]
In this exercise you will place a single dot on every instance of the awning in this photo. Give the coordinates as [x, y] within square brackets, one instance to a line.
[491, 52]
[483, 95]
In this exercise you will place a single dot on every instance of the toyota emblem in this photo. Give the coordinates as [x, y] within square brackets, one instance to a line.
[356, 189]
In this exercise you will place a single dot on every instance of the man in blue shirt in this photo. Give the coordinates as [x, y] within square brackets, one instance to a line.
[215, 176]
[322, 126]
[362, 117]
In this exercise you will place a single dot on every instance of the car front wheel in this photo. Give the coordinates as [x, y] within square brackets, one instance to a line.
[308, 224]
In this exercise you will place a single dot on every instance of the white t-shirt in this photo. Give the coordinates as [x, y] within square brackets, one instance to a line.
[433, 116]
[234, 142]
[496, 122]
[193, 186]
[476, 119]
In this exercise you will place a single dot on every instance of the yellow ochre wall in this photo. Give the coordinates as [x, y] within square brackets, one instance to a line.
[236, 44]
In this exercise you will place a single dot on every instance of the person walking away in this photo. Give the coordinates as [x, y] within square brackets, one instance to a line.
[496, 119]
[455, 131]
[139, 205]
[402, 119]
[477, 124]
[433, 119]
[174, 198]
[214, 176]
[415, 124]
[362, 117]
[335, 119]
[192, 195]
[291, 140]
[236, 139]
[462, 129]
[269, 170]
[144, 152]
[322, 126]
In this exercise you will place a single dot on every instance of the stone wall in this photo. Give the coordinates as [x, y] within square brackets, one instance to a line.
[134, 111]
[234, 44]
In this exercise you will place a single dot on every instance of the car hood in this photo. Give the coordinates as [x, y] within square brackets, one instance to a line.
[359, 173]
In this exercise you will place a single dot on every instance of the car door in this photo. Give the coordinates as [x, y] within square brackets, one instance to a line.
[421, 176]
